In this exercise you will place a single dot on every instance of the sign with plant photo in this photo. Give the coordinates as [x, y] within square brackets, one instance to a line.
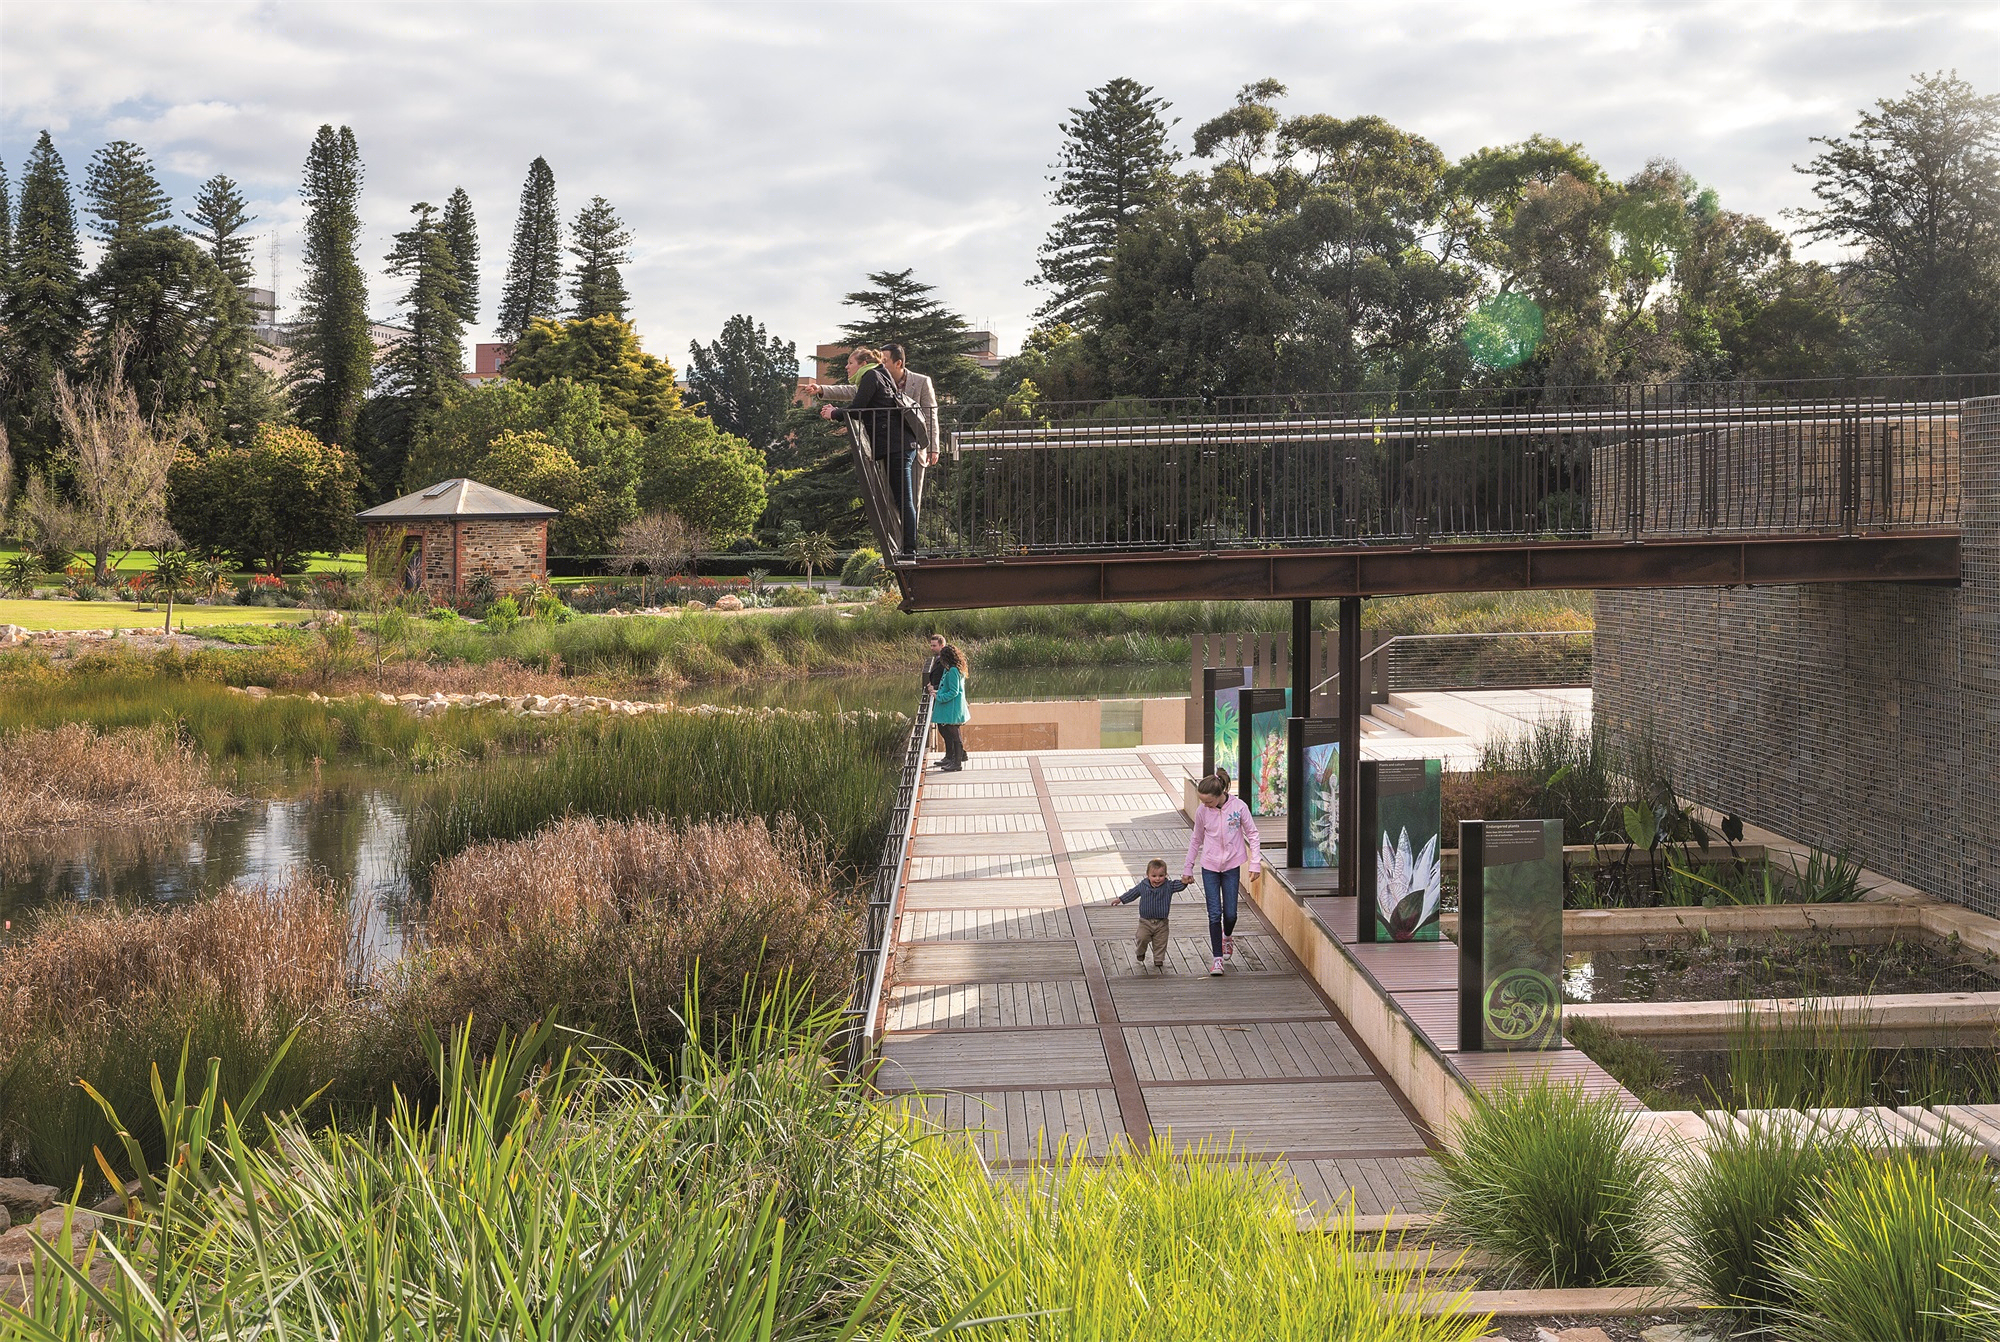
[1312, 829]
[1510, 934]
[1402, 808]
[1219, 685]
[1261, 750]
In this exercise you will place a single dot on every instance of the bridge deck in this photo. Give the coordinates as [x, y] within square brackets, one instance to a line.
[1015, 1010]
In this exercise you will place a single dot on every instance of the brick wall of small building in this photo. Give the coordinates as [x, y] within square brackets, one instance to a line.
[513, 553]
[1861, 716]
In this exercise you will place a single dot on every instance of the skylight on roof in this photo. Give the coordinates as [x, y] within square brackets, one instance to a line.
[439, 491]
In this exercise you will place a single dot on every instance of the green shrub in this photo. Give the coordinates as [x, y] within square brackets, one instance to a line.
[1891, 1248]
[1541, 1176]
[793, 594]
[1732, 1210]
[502, 615]
[861, 567]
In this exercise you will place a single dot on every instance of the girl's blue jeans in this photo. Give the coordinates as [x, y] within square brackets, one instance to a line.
[1220, 889]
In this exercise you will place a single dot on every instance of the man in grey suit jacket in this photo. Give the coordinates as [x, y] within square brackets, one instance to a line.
[918, 388]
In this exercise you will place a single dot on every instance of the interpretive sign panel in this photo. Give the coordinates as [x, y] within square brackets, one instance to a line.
[1218, 740]
[1312, 829]
[1402, 806]
[1510, 934]
[1260, 778]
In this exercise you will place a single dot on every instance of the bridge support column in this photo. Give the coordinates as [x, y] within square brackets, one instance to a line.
[1351, 696]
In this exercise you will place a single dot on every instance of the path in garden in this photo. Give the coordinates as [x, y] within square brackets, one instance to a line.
[1017, 1013]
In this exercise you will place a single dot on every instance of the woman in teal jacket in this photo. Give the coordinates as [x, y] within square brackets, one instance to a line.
[948, 710]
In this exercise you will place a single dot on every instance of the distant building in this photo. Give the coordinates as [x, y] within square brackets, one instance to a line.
[445, 536]
[487, 360]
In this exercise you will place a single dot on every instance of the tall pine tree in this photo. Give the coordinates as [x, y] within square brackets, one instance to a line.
[44, 312]
[1115, 164]
[219, 220]
[6, 228]
[123, 192]
[745, 381]
[461, 236]
[900, 310]
[534, 267]
[420, 370]
[598, 241]
[332, 353]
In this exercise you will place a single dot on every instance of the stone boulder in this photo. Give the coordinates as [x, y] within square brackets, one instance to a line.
[26, 1201]
[729, 603]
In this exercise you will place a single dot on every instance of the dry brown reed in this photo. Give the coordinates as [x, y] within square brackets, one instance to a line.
[603, 924]
[76, 775]
[105, 994]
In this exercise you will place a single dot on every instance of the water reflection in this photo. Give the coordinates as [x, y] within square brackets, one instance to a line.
[352, 823]
[352, 827]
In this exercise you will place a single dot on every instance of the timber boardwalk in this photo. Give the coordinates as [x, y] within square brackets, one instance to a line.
[1016, 1012]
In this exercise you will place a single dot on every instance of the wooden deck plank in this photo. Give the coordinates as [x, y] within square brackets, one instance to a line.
[1274, 1117]
[971, 1060]
[1006, 843]
[1189, 953]
[989, 1006]
[997, 867]
[931, 821]
[929, 924]
[1223, 1052]
[1241, 997]
[987, 961]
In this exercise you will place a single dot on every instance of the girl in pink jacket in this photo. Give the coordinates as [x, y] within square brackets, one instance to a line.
[1225, 839]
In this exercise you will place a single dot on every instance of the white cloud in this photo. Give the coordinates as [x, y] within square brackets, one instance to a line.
[767, 155]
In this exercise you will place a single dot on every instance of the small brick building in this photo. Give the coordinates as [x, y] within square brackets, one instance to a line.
[444, 537]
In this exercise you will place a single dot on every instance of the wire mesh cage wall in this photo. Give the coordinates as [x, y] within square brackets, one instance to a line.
[1734, 458]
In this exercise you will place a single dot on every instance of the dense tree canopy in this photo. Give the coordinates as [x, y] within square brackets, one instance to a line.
[461, 238]
[333, 354]
[713, 481]
[744, 380]
[601, 243]
[1114, 165]
[602, 352]
[898, 309]
[269, 503]
[43, 307]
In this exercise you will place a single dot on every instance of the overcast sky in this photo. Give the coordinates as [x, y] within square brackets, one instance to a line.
[767, 156]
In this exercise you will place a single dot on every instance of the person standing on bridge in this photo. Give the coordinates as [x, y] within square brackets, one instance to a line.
[886, 414]
[948, 707]
[917, 387]
[1225, 840]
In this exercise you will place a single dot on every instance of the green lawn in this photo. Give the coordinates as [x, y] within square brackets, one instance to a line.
[122, 615]
[140, 561]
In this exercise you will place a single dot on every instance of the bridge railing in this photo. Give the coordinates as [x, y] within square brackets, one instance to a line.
[1634, 462]
[878, 922]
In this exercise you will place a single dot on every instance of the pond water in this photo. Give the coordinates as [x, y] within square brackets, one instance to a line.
[351, 823]
[1724, 968]
[1837, 1078]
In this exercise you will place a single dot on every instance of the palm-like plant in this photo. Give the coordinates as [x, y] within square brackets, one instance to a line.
[809, 550]
[20, 574]
[174, 575]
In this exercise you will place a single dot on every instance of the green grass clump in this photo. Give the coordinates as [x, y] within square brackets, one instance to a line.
[1808, 1057]
[836, 772]
[1541, 1176]
[248, 635]
[1157, 1245]
[1633, 1063]
[1733, 1209]
[1896, 1245]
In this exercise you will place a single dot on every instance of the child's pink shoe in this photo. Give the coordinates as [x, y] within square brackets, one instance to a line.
[1215, 968]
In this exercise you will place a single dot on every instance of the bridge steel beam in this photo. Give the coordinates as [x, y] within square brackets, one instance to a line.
[1335, 572]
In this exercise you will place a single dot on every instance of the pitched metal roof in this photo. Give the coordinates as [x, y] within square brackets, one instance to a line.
[457, 498]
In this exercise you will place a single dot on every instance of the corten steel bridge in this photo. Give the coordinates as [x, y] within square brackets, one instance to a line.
[1304, 498]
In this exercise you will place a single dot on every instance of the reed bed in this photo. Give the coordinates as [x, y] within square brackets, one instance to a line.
[107, 994]
[229, 728]
[835, 772]
[77, 774]
[607, 923]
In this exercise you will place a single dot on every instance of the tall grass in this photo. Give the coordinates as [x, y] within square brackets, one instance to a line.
[1544, 1177]
[836, 772]
[738, 1196]
[1732, 1211]
[1809, 1056]
[1891, 1246]
[1156, 1245]
[605, 924]
[107, 994]
[75, 774]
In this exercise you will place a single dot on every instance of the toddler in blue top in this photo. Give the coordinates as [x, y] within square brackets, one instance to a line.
[1156, 900]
